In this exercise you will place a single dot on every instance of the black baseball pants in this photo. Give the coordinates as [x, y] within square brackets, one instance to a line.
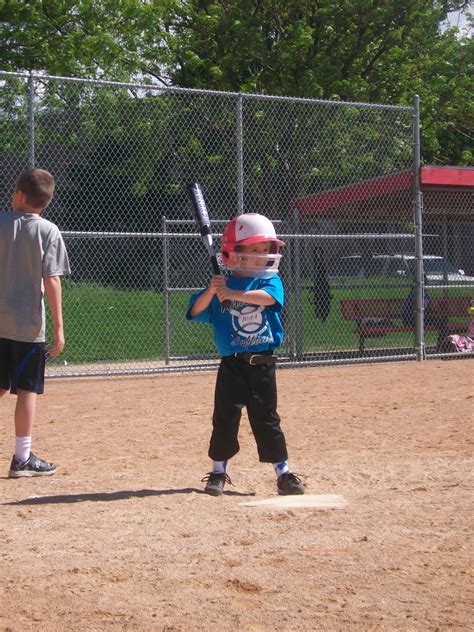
[240, 384]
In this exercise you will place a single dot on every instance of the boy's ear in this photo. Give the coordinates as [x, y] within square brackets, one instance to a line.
[18, 199]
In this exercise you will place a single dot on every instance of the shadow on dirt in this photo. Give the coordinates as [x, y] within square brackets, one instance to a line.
[109, 496]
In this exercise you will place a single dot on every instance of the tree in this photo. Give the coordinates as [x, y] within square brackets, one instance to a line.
[353, 50]
[70, 37]
[356, 50]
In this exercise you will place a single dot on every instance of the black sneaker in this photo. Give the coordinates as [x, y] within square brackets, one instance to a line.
[289, 484]
[33, 467]
[215, 482]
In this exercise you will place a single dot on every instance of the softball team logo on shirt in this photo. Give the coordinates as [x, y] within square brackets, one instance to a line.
[248, 322]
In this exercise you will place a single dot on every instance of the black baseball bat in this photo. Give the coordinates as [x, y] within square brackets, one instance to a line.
[202, 220]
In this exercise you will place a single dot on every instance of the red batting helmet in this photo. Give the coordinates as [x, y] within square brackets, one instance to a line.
[247, 229]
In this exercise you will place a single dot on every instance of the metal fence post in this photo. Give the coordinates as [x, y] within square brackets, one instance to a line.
[418, 227]
[444, 229]
[240, 156]
[298, 306]
[166, 293]
[31, 120]
[289, 284]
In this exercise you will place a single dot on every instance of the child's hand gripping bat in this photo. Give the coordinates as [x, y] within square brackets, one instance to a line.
[202, 219]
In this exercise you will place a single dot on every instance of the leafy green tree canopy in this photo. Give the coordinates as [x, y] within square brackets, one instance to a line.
[358, 50]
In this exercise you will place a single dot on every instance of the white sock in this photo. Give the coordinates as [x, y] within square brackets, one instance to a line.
[281, 468]
[23, 448]
[219, 466]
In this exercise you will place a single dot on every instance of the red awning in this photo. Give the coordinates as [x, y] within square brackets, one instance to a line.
[351, 195]
[388, 196]
[447, 176]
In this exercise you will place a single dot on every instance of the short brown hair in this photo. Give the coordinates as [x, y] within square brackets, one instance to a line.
[38, 187]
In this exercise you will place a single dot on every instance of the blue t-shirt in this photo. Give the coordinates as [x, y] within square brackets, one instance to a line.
[243, 326]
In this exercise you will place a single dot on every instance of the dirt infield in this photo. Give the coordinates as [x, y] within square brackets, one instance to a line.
[123, 539]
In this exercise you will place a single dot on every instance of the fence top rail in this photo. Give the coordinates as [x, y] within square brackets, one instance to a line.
[214, 221]
[172, 89]
[160, 235]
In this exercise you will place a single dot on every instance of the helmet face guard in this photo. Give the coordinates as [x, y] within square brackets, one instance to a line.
[263, 266]
[245, 230]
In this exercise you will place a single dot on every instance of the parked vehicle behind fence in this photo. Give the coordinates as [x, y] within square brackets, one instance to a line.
[436, 269]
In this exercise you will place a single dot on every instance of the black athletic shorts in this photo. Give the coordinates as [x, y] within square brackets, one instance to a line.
[22, 365]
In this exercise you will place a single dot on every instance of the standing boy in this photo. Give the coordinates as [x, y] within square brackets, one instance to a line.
[247, 330]
[32, 260]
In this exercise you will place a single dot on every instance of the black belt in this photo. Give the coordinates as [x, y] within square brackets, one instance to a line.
[257, 358]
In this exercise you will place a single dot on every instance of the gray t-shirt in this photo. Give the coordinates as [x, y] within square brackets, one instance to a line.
[31, 248]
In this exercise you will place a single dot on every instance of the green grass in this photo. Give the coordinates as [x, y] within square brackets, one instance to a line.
[104, 324]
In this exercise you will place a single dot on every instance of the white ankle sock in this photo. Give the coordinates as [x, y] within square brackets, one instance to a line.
[219, 466]
[281, 468]
[23, 448]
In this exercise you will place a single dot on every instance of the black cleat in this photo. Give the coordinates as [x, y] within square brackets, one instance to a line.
[215, 482]
[289, 484]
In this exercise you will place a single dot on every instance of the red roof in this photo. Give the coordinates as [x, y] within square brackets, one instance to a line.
[385, 195]
[354, 193]
[448, 176]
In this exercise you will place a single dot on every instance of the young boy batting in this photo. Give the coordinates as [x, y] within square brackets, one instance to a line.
[244, 310]
[32, 260]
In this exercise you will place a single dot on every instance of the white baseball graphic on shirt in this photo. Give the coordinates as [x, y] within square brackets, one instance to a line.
[248, 321]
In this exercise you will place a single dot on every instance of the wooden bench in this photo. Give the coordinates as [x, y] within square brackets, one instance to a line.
[376, 317]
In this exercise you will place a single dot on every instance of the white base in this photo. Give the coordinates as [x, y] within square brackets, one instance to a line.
[321, 501]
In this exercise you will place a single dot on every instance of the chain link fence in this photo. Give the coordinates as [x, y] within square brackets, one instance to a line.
[336, 178]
